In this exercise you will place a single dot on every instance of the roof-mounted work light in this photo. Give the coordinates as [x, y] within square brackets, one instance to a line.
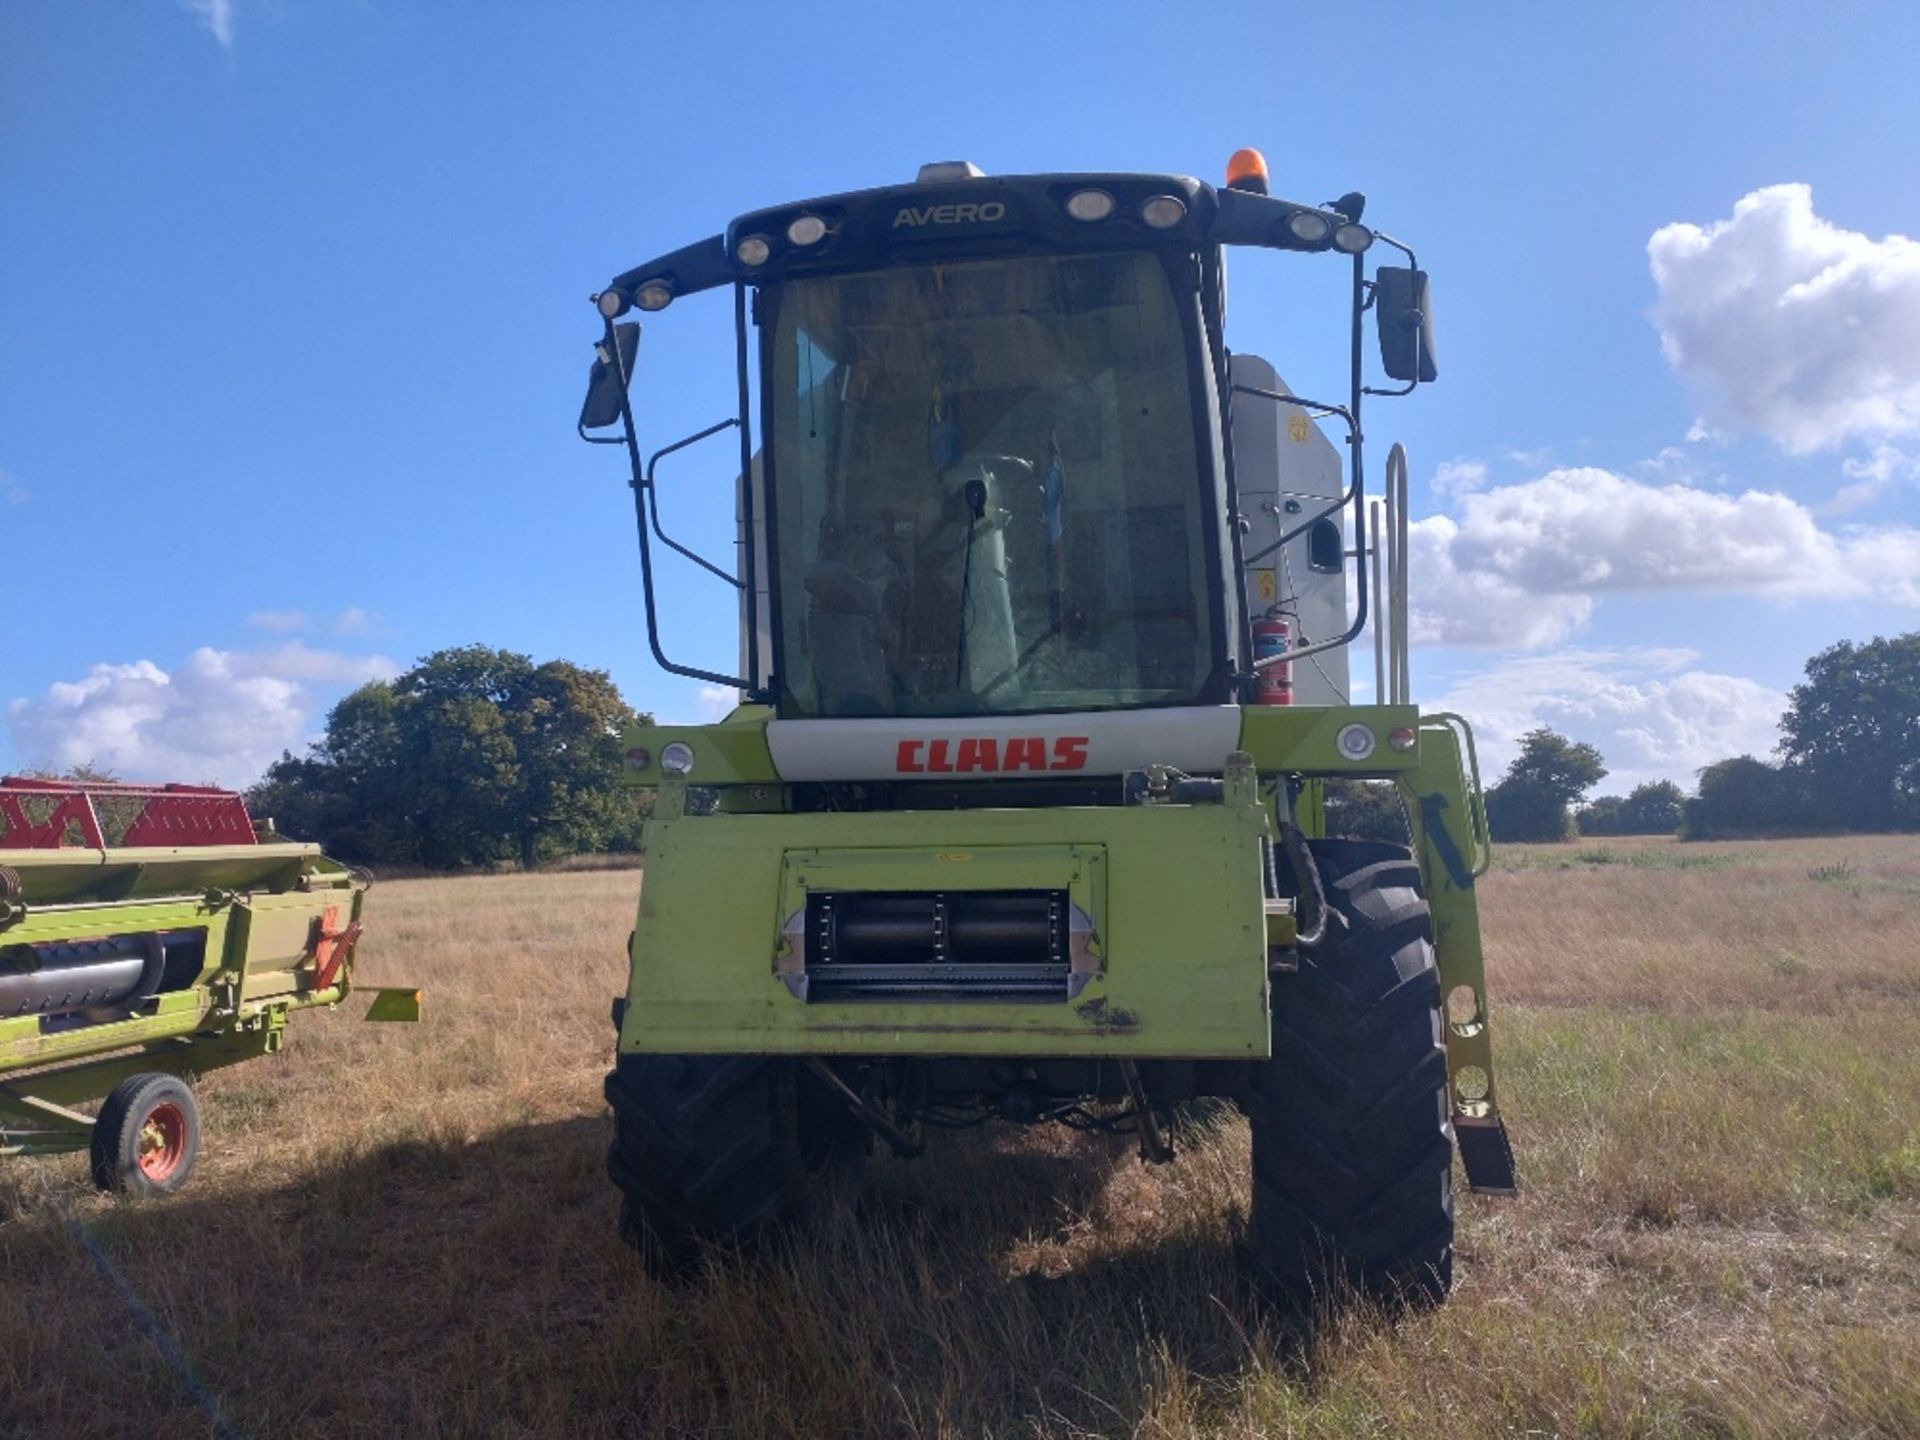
[1090, 205]
[1163, 212]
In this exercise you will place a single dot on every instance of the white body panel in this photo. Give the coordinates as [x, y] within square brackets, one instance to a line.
[1282, 459]
[1196, 738]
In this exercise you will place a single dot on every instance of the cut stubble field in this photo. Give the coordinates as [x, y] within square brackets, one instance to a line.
[1709, 1056]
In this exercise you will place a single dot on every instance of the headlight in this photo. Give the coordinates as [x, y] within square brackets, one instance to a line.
[676, 758]
[807, 230]
[1308, 227]
[753, 250]
[1163, 212]
[1090, 205]
[1355, 742]
[1351, 239]
[654, 295]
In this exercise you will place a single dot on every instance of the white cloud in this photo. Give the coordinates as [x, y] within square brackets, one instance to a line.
[1651, 716]
[1523, 564]
[12, 491]
[1872, 478]
[716, 702]
[350, 621]
[1458, 477]
[221, 716]
[1790, 326]
[216, 15]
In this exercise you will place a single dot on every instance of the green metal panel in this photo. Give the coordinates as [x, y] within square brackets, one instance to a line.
[732, 752]
[73, 874]
[1279, 737]
[1175, 890]
[399, 1003]
[1302, 738]
[1446, 811]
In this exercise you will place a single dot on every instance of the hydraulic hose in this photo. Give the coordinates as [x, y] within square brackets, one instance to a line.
[1306, 875]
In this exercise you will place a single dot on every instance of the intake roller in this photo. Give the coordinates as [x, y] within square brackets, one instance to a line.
[955, 927]
[75, 976]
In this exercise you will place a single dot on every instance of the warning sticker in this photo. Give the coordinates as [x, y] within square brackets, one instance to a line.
[1297, 428]
[1265, 587]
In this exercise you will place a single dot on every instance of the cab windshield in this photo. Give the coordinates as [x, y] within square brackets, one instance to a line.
[987, 490]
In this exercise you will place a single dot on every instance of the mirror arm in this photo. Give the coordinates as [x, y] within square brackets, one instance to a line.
[1320, 407]
[638, 484]
[653, 502]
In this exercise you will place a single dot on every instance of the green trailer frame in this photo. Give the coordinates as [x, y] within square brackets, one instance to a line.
[280, 921]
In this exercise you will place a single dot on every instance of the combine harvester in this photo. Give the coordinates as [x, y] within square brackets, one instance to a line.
[147, 936]
[1044, 612]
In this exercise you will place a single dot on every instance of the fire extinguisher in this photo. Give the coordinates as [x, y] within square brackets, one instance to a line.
[1273, 635]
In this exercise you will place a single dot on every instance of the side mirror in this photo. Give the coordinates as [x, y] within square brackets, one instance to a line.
[1403, 307]
[606, 381]
[1326, 546]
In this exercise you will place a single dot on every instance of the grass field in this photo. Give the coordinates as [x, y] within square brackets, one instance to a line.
[1711, 1065]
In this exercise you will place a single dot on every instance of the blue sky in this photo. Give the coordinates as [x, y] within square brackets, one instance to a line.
[293, 324]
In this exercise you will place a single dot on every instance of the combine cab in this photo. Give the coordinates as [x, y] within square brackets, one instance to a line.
[147, 936]
[1045, 595]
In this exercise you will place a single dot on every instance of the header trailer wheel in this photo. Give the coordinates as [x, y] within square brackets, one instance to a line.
[147, 1136]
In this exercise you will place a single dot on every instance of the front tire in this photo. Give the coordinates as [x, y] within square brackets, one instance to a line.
[1352, 1146]
[706, 1150]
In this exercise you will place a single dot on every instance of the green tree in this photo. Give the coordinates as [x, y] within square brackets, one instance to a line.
[1534, 799]
[1852, 730]
[1744, 796]
[472, 756]
[1649, 809]
[566, 724]
[1605, 815]
[1653, 808]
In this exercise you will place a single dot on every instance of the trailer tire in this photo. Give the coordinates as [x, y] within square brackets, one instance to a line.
[706, 1151]
[147, 1136]
[1352, 1145]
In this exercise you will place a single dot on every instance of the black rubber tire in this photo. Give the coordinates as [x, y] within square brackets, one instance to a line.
[1352, 1145]
[706, 1150]
[121, 1136]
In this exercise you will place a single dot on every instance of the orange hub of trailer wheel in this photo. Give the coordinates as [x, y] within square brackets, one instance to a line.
[163, 1142]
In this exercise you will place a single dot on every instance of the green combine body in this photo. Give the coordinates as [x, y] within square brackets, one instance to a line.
[1043, 603]
[127, 969]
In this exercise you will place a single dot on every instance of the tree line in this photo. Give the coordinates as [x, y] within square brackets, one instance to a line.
[476, 756]
[472, 757]
[1848, 759]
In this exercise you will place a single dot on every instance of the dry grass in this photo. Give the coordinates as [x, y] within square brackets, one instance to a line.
[1711, 1061]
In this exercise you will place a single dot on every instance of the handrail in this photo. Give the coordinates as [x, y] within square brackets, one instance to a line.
[653, 500]
[1379, 628]
[1479, 831]
[1395, 599]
